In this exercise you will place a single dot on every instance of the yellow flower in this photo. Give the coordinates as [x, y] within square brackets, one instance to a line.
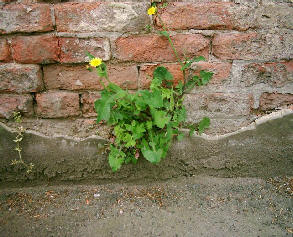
[152, 10]
[96, 62]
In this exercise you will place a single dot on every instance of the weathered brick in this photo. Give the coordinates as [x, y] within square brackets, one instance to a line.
[10, 103]
[78, 78]
[249, 46]
[57, 104]
[20, 78]
[73, 49]
[217, 105]
[274, 74]
[87, 100]
[152, 48]
[146, 73]
[98, 16]
[25, 18]
[4, 51]
[221, 70]
[183, 16]
[274, 15]
[235, 45]
[35, 49]
[269, 101]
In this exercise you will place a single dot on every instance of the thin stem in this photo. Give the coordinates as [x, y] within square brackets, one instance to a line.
[173, 48]
[171, 42]
[101, 81]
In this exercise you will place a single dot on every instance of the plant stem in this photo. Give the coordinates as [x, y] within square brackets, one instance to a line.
[172, 46]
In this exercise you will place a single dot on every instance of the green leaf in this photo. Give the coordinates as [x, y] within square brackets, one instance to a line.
[181, 114]
[205, 76]
[203, 124]
[154, 99]
[89, 55]
[136, 128]
[149, 125]
[152, 156]
[190, 84]
[129, 140]
[114, 88]
[116, 158]
[160, 118]
[180, 136]
[191, 129]
[198, 59]
[189, 62]
[164, 33]
[179, 88]
[102, 70]
[162, 74]
[103, 105]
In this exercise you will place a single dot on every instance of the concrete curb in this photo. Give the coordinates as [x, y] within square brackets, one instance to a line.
[263, 149]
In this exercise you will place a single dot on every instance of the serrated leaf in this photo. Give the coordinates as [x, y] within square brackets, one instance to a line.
[102, 70]
[89, 55]
[198, 59]
[181, 114]
[203, 124]
[179, 88]
[116, 158]
[102, 107]
[205, 77]
[180, 136]
[189, 62]
[190, 84]
[152, 156]
[191, 129]
[164, 33]
[149, 125]
[162, 74]
[153, 99]
[113, 87]
[160, 118]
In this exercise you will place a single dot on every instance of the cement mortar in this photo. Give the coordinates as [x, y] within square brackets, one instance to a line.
[264, 149]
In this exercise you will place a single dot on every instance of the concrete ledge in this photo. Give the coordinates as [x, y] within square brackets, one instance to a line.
[263, 149]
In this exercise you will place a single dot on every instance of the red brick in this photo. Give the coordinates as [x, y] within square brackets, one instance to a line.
[152, 48]
[274, 74]
[269, 101]
[78, 78]
[10, 103]
[88, 99]
[73, 49]
[25, 18]
[183, 16]
[98, 16]
[146, 73]
[4, 51]
[35, 49]
[57, 104]
[20, 78]
[221, 71]
[235, 46]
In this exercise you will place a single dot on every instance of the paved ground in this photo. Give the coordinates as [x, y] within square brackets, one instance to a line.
[194, 206]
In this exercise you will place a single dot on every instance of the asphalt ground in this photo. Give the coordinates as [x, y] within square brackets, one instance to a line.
[186, 206]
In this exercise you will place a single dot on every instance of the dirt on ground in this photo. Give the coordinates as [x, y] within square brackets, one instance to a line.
[193, 206]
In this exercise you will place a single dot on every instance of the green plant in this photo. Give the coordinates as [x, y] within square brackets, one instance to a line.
[144, 123]
[19, 137]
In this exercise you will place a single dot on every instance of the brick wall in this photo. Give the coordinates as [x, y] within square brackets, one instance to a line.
[248, 44]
